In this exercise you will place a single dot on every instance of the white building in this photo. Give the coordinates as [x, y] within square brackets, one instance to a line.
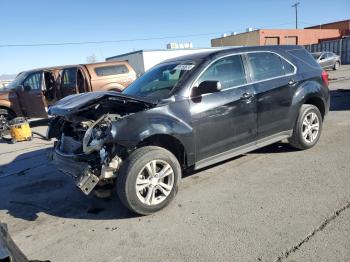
[142, 60]
[4, 83]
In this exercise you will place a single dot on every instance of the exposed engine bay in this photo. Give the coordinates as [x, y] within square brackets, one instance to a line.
[86, 147]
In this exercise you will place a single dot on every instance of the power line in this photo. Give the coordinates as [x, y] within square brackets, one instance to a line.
[120, 40]
[103, 41]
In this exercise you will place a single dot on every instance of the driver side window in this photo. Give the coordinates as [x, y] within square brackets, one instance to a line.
[34, 81]
[229, 71]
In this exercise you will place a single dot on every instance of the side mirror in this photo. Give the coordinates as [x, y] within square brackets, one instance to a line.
[20, 88]
[206, 87]
[27, 88]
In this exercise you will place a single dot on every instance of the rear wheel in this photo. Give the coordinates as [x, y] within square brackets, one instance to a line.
[5, 117]
[308, 127]
[148, 180]
[336, 66]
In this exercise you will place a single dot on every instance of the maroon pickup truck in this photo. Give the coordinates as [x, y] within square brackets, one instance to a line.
[32, 92]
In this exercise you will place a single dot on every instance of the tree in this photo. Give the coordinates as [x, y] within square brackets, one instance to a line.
[91, 59]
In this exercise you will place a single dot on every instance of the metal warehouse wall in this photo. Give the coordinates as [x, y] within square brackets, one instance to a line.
[341, 47]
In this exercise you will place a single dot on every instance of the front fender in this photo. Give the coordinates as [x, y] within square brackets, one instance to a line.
[162, 120]
[12, 104]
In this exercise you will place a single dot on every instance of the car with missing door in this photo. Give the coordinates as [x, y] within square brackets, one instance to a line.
[32, 92]
[188, 113]
[327, 60]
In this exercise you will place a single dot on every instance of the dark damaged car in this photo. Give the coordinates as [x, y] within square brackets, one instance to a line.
[188, 112]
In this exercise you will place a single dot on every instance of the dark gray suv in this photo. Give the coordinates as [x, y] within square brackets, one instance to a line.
[188, 112]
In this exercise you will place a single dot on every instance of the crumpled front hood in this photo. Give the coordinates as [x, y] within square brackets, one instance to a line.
[75, 103]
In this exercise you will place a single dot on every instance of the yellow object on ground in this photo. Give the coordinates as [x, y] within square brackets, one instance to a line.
[20, 130]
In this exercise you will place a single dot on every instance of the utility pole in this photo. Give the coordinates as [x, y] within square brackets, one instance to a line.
[296, 14]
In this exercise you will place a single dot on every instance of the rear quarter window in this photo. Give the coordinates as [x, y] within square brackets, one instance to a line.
[111, 70]
[304, 56]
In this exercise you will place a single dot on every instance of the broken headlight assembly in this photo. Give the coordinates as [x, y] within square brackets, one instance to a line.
[97, 134]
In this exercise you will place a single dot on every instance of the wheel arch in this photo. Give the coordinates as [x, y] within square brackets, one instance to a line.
[9, 109]
[169, 143]
[111, 87]
[311, 92]
[318, 102]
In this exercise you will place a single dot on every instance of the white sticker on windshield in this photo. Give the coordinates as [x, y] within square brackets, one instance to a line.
[184, 67]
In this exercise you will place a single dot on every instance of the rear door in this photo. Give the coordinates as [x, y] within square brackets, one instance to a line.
[330, 59]
[275, 81]
[31, 98]
[226, 119]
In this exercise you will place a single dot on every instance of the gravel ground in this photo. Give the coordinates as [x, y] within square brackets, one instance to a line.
[274, 204]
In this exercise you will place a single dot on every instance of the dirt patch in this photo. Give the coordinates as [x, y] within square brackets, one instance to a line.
[42, 186]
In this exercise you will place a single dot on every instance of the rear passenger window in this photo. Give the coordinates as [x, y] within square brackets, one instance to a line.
[229, 71]
[267, 65]
[288, 68]
[111, 70]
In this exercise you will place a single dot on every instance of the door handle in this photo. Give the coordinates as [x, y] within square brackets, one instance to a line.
[247, 97]
[292, 82]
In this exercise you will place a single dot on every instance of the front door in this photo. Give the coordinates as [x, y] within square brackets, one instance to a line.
[323, 60]
[226, 119]
[31, 97]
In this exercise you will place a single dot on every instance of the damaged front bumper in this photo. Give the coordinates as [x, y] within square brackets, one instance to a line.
[83, 168]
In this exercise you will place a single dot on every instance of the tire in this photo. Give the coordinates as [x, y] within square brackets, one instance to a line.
[135, 169]
[336, 66]
[5, 116]
[306, 135]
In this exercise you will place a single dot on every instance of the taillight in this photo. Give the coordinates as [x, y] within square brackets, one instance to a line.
[325, 78]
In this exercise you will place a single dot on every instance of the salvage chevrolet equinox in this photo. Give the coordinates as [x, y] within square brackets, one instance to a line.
[188, 112]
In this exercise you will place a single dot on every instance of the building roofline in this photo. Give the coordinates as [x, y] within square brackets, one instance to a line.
[330, 23]
[269, 29]
[237, 34]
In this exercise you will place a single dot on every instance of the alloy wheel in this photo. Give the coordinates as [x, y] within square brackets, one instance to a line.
[310, 128]
[154, 182]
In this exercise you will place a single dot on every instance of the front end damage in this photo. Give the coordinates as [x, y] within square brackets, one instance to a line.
[86, 146]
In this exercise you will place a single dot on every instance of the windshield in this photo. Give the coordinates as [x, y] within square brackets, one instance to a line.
[160, 80]
[17, 81]
[316, 55]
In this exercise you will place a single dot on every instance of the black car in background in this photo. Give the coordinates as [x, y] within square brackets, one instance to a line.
[327, 60]
[188, 112]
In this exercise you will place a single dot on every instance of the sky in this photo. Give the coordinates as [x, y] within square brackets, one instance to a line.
[43, 21]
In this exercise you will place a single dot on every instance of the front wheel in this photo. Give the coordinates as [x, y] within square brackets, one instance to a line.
[5, 117]
[336, 66]
[148, 180]
[308, 127]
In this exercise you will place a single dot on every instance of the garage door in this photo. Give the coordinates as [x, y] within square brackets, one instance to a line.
[291, 40]
[272, 40]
